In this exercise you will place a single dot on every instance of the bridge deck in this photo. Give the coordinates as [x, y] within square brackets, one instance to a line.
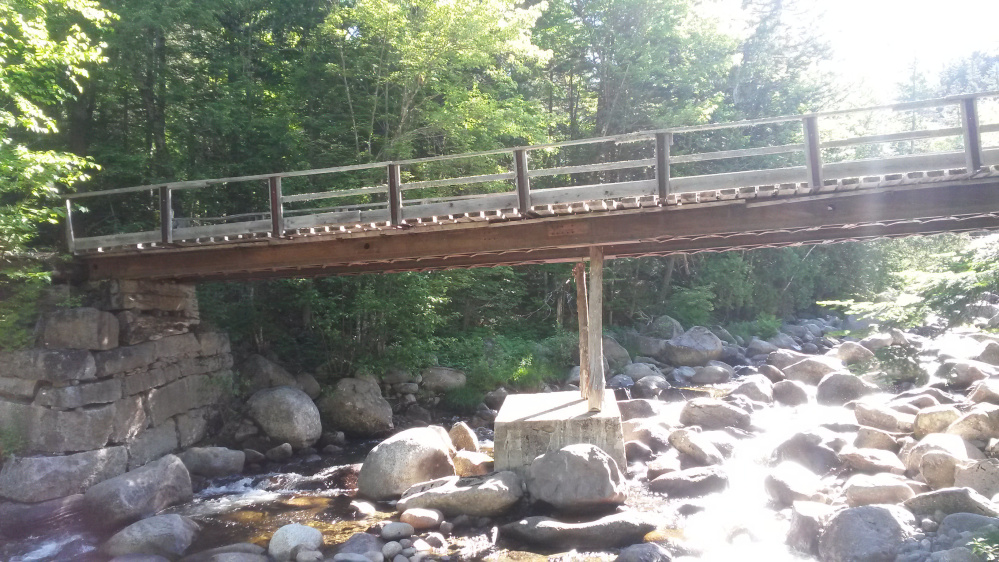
[642, 212]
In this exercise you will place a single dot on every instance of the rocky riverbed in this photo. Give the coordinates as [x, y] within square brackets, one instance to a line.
[801, 447]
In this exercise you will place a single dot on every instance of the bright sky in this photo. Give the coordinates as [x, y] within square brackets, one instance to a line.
[875, 41]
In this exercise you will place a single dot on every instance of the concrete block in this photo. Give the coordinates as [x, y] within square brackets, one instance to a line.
[79, 328]
[76, 396]
[125, 359]
[50, 365]
[529, 425]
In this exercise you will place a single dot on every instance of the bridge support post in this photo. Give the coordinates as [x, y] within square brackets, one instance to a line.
[523, 181]
[70, 239]
[813, 154]
[166, 215]
[277, 207]
[595, 329]
[395, 194]
[663, 142]
[582, 309]
[972, 136]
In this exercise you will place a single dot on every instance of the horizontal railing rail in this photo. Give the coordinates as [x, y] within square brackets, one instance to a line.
[614, 179]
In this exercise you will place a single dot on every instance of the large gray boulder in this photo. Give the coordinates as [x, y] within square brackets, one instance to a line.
[870, 533]
[883, 417]
[260, 372]
[161, 535]
[615, 530]
[479, 496]
[617, 356]
[664, 327]
[213, 461]
[811, 369]
[357, 406]
[408, 457]
[789, 482]
[695, 446]
[287, 539]
[953, 445]
[980, 424]
[691, 482]
[851, 353]
[981, 476]
[138, 493]
[287, 415]
[839, 387]
[576, 478]
[442, 379]
[78, 328]
[638, 371]
[951, 500]
[757, 388]
[790, 393]
[695, 347]
[37, 479]
[710, 413]
[866, 489]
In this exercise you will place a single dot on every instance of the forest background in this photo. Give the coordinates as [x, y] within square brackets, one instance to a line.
[98, 95]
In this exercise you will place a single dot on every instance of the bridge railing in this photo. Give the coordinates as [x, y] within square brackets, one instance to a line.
[661, 165]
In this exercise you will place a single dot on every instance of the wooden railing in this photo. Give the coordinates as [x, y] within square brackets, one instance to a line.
[657, 181]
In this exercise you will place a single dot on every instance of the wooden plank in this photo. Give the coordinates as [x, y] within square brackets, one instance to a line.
[323, 219]
[215, 230]
[394, 194]
[458, 181]
[277, 207]
[604, 166]
[663, 142]
[741, 153]
[579, 274]
[166, 215]
[557, 195]
[893, 137]
[460, 207]
[334, 194]
[523, 179]
[687, 184]
[118, 240]
[595, 329]
[972, 136]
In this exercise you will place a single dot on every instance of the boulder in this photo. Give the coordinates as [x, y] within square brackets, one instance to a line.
[576, 478]
[361, 543]
[784, 341]
[873, 438]
[638, 371]
[790, 393]
[809, 449]
[866, 489]
[712, 373]
[442, 379]
[851, 353]
[616, 355]
[78, 328]
[839, 387]
[664, 327]
[696, 446]
[875, 342]
[260, 373]
[408, 457]
[20, 520]
[691, 482]
[953, 445]
[710, 413]
[808, 519]
[397, 531]
[783, 358]
[957, 523]
[811, 369]
[985, 391]
[469, 463]
[937, 469]
[161, 535]
[286, 414]
[773, 373]
[695, 347]
[482, 496]
[138, 493]
[309, 385]
[495, 398]
[871, 533]
[981, 476]
[639, 408]
[755, 387]
[463, 438]
[651, 432]
[759, 347]
[611, 531]
[645, 552]
[291, 538]
[871, 460]
[357, 406]
[650, 387]
[37, 479]
[934, 419]
[213, 461]
[789, 482]
[881, 417]
[988, 353]
[962, 373]
[951, 500]
[237, 552]
[421, 519]
[980, 424]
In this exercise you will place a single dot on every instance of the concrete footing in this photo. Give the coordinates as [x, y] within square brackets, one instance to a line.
[529, 425]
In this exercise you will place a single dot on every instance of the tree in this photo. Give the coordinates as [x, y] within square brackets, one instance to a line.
[44, 54]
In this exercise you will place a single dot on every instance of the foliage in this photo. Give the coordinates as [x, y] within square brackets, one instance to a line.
[20, 290]
[692, 306]
[986, 547]
[765, 326]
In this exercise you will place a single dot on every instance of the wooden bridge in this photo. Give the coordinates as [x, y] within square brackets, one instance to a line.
[648, 193]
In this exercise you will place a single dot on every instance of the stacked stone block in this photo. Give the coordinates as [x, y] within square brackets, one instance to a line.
[108, 391]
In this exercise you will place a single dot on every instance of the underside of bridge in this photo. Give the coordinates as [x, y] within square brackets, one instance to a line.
[959, 204]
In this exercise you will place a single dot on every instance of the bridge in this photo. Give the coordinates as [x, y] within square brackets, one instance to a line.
[647, 193]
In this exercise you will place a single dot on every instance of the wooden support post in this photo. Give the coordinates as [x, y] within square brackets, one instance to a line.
[166, 215]
[523, 182]
[70, 239]
[277, 207]
[813, 154]
[595, 327]
[663, 142]
[972, 136]
[579, 273]
[395, 194]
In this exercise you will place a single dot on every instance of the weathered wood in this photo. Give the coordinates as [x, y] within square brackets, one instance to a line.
[893, 137]
[740, 153]
[166, 215]
[523, 180]
[70, 242]
[277, 207]
[558, 195]
[813, 151]
[323, 219]
[488, 203]
[458, 181]
[595, 328]
[579, 274]
[972, 136]
[335, 194]
[663, 142]
[602, 167]
[394, 194]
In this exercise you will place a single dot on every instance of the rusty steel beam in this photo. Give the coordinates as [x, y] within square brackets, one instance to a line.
[703, 227]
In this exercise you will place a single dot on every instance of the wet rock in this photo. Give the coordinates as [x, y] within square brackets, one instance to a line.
[615, 530]
[650, 387]
[790, 393]
[664, 464]
[881, 417]
[691, 482]
[870, 533]
[639, 408]
[648, 431]
[637, 451]
[576, 478]
[495, 398]
[951, 500]
[710, 413]
[261, 373]
[811, 369]
[620, 381]
[711, 374]
[253, 456]
[789, 482]
[483, 496]
[757, 346]
[962, 373]
[463, 438]
[773, 373]
[646, 552]
[442, 379]
[953, 445]
[357, 406]
[838, 388]
[985, 391]
[694, 347]
[981, 476]
[784, 358]
[617, 356]
[140, 492]
[851, 353]
[638, 371]
[957, 523]
[937, 469]
[280, 453]
[78, 328]
[421, 519]
[871, 460]
[213, 461]
[934, 419]
[980, 424]
[468, 463]
[757, 388]
[238, 552]
[18, 520]
[286, 414]
[160, 535]
[696, 446]
[809, 450]
[409, 457]
[865, 489]
[397, 531]
[361, 543]
[287, 539]
[873, 438]
[808, 519]
[37, 479]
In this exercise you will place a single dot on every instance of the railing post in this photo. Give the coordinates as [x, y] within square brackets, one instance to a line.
[395, 194]
[813, 155]
[972, 136]
[663, 142]
[595, 329]
[523, 182]
[166, 214]
[277, 207]
[70, 238]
